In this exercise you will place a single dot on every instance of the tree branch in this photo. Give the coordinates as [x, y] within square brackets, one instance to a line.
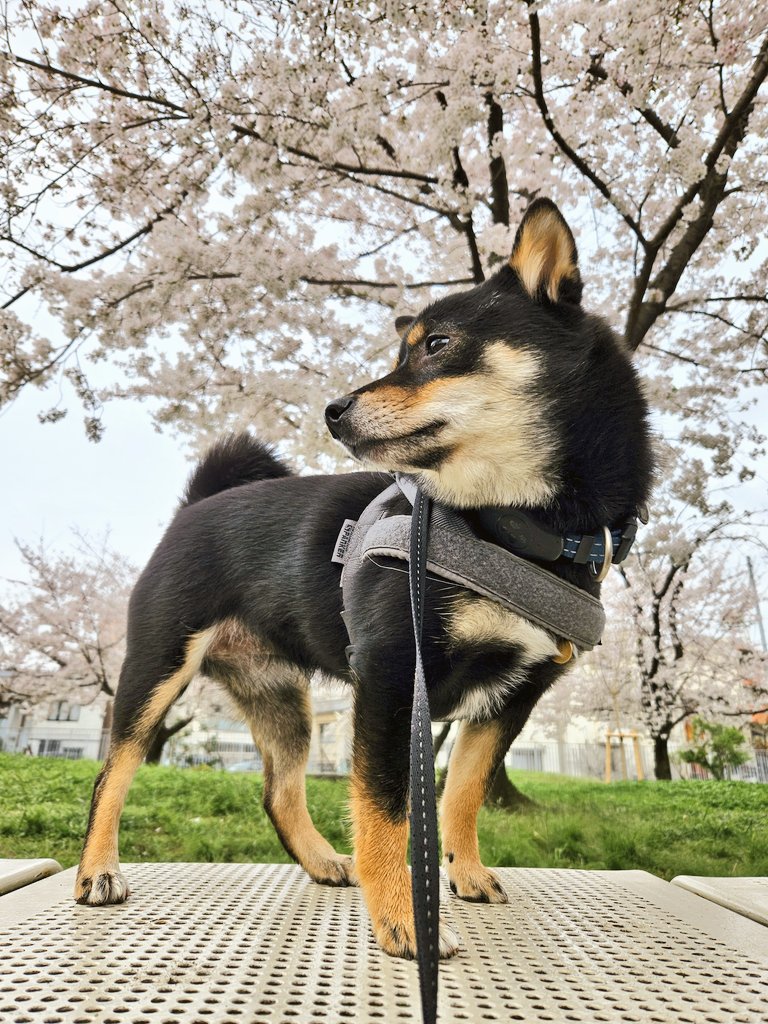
[73, 268]
[496, 167]
[408, 286]
[380, 172]
[666, 131]
[94, 83]
[711, 188]
[579, 163]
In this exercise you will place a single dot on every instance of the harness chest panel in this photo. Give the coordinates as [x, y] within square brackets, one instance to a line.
[455, 554]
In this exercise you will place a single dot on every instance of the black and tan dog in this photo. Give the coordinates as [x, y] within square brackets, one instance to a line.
[506, 394]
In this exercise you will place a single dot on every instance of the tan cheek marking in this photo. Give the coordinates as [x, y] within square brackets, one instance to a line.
[510, 367]
[396, 400]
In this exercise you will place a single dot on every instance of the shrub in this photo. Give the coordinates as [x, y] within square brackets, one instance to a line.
[719, 748]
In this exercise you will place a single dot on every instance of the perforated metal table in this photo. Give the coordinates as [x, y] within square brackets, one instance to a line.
[747, 896]
[15, 874]
[237, 943]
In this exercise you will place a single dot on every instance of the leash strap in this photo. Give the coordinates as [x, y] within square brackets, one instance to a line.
[425, 869]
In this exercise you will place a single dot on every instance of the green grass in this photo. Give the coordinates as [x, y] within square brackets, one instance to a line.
[699, 828]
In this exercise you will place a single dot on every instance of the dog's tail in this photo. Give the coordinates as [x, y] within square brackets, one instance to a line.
[234, 460]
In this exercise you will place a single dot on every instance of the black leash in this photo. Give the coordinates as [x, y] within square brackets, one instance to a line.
[425, 867]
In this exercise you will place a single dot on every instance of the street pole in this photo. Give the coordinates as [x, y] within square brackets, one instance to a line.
[760, 624]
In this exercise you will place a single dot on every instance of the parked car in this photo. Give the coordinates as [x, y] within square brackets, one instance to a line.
[246, 766]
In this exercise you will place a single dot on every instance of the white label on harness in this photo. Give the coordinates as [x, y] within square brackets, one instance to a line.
[342, 541]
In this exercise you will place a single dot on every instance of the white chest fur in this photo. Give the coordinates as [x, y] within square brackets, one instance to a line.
[479, 621]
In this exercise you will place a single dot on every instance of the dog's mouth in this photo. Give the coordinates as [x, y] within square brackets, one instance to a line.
[371, 447]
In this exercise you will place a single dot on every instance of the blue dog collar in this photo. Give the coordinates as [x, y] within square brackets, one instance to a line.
[524, 535]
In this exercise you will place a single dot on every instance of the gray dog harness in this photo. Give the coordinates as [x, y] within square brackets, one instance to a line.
[455, 554]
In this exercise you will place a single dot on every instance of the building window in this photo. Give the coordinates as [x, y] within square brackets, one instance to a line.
[63, 711]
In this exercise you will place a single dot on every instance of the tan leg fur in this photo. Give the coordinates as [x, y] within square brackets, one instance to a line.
[380, 863]
[285, 798]
[470, 773]
[99, 879]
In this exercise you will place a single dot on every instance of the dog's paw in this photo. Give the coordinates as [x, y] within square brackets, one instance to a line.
[399, 939]
[450, 944]
[475, 883]
[101, 888]
[336, 870]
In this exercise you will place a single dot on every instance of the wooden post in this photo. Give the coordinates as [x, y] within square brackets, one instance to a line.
[638, 756]
[621, 735]
[608, 757]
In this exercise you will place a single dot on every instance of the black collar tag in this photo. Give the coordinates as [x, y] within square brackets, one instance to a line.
[521, 533]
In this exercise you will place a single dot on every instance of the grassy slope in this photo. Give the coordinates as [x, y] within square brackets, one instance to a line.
[705, 828]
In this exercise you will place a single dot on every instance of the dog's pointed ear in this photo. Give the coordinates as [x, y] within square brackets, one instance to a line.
[402, 323]
[544, 255]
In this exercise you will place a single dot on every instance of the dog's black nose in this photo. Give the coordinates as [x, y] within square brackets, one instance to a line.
[335, 410]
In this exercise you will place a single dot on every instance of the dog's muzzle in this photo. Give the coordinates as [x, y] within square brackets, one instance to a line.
[334, 416]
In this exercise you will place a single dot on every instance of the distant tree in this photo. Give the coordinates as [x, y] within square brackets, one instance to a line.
[62, 629]
[677, 644]
[718, 748]
[691, 609]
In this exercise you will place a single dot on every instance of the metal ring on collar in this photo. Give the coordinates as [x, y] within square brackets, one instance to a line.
[602, 572]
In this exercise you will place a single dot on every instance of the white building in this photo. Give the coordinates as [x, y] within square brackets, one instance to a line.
[60, 728]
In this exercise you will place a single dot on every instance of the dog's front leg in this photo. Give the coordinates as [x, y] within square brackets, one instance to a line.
[379, 805]
[477, 753]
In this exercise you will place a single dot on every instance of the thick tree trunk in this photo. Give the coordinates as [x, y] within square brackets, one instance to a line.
[503, 794]
[164, 733]
[661, 766]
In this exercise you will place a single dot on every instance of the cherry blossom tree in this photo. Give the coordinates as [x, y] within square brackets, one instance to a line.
[677, 643]
[691, 606]
[222, 207]
[62, 629]
[226, 203]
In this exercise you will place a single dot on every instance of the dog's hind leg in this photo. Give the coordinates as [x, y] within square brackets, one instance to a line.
[99, 879]
[276, 705]
[476, 755]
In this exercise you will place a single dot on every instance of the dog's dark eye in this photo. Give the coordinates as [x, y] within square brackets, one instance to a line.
[435, 342]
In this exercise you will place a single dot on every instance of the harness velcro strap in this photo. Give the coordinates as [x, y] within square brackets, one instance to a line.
[455, 554]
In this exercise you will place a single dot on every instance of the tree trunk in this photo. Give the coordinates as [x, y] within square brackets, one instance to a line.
[503, 794]
[442, 773]
[162, 736]
[662, 769]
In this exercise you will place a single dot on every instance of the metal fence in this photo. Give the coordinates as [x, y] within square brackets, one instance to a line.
[584, 760]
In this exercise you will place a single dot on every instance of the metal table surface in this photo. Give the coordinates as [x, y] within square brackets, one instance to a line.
[15, 874]
[237, 943]
[747, 896]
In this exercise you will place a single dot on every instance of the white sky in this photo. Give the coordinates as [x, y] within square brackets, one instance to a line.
[55, 480]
